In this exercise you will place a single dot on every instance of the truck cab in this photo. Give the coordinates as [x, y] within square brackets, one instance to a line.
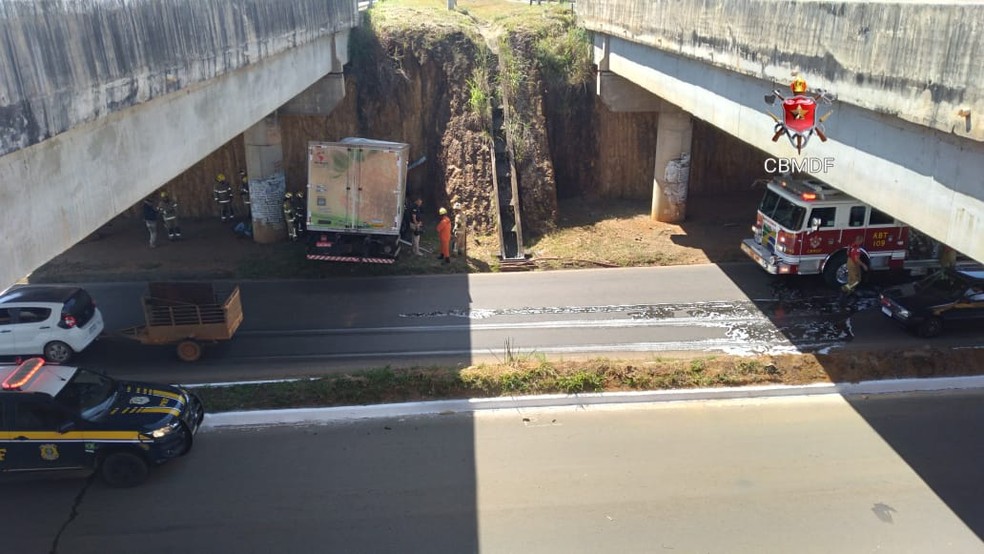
[803, 227]
[56, 417]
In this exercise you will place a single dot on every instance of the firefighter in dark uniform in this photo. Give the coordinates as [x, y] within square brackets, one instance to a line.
[223, 197]
[244, 192]
[168, 207]
[289, 216]
[300, 213]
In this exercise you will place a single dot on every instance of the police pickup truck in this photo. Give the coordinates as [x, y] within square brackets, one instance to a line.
[60, 417]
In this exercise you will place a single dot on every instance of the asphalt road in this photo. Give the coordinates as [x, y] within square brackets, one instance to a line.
[886, 474]
[303, 327]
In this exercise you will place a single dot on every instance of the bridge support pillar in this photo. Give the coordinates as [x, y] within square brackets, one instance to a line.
[670, 177]
[265, 167]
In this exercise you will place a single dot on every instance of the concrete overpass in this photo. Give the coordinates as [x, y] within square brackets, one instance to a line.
[102, 102]
[907, 129]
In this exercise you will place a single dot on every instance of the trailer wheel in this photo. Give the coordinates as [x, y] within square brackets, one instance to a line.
[189, 351]
[835, 271]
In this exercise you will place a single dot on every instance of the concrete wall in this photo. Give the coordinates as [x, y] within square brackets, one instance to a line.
[917, 61]
[68, 62]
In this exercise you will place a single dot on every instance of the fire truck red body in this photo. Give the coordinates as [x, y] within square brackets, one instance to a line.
[803, 227]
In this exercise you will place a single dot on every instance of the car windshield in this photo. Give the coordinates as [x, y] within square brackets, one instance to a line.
[88, 393]
[942, 283]
[782, 211]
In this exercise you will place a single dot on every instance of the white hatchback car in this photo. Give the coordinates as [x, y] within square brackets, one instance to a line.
[52, 320]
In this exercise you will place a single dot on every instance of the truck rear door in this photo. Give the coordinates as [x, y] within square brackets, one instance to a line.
[379, 178]
[331, 188]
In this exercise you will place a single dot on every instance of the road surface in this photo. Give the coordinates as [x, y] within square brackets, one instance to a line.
[303, 327]
[882, 474]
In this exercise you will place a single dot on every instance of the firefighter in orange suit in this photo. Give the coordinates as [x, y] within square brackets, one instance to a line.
[444, 235]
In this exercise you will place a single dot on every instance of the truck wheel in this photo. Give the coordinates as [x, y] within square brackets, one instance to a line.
[58, 352]
[835, 272]
[189, 351]
[123, 469]
[931, 327]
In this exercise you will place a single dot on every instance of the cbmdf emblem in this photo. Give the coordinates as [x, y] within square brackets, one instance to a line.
[800, 118]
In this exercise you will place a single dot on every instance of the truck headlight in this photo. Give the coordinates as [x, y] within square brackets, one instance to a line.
[904, 313]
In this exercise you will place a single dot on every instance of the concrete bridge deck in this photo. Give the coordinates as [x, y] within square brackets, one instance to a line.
[102, 102]
[907, 129]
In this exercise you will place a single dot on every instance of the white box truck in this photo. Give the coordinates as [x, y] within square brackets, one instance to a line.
[356, 195]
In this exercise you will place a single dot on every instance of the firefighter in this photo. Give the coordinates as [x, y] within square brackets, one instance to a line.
[222, 193]
[288, 207]
[300, 213]
[168, 207]
[150, 220]
[444, 235]
[855, 264]
[244, 192]
[947, 257]
[460, 231]
[416, 224]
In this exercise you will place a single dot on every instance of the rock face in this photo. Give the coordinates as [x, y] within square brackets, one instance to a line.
[408, 85]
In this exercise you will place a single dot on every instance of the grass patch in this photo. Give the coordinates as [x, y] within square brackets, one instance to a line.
[535, 374]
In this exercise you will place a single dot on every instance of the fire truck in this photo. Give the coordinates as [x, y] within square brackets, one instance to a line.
[803, 227]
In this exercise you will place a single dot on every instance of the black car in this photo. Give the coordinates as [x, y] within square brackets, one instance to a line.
[60, 417]
[937, 301]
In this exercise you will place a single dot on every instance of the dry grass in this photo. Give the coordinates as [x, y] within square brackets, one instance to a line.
[532, 374]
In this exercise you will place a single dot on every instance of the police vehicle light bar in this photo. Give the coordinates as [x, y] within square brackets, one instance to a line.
[23, 374]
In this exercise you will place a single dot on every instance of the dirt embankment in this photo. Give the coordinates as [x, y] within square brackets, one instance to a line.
[418, 84]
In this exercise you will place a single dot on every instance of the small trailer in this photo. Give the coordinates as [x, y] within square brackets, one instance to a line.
[187, 315]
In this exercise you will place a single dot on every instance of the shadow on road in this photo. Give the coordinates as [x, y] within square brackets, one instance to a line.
[945, 451]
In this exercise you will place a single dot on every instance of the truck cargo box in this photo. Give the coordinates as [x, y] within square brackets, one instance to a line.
[356, 197]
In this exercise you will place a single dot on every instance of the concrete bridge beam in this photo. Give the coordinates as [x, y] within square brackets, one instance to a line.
[265, 167]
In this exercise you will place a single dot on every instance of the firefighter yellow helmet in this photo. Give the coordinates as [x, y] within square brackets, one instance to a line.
[288, 195]
[163, 194]
[300, 194]
[442, 211]
[220, 177]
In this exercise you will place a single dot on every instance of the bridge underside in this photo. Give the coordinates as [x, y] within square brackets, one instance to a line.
[928, 178]
[59, 191]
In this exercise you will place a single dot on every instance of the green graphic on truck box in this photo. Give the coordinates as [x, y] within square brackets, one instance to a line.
[356, 185]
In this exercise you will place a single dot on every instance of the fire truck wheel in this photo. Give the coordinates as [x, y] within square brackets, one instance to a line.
[835, 271]
[931, 327]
